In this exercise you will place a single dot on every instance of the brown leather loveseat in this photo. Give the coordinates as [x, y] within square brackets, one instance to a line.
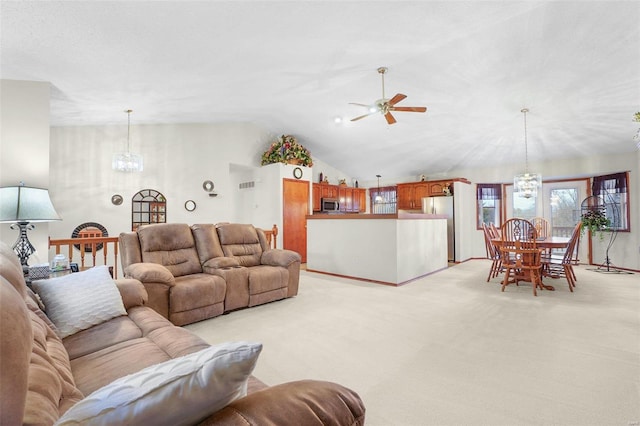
[197, 272]
[44, 377]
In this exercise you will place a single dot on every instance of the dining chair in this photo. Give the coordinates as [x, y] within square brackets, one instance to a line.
[522, 264]
[517, 229]
[542, 227]
[495, 232]
[562, 266]
[493, 253]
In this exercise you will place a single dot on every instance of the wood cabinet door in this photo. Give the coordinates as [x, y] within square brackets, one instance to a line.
[294, 221]
[421, 190]
[436, 188]
[405, 196]
[317, 195]
[345, 197]
[362, 195]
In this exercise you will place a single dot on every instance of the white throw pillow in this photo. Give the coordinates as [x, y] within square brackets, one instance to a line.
[181, 391]
[80, 300]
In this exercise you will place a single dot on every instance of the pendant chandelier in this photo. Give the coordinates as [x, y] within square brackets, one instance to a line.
[526, 185]
[127, 161]
[378, 198]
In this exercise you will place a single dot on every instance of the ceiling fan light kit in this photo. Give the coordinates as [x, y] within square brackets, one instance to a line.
[385, 106]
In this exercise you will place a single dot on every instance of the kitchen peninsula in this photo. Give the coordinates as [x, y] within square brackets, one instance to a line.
[386, 248]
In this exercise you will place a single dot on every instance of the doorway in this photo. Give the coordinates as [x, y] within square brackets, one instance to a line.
[295, 208]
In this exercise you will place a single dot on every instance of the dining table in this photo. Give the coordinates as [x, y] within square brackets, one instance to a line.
[546, 243]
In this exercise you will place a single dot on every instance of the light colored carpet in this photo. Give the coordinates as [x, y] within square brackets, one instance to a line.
[452, 349]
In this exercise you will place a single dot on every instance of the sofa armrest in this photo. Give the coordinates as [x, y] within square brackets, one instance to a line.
[132, 292]
[305, 402]
[221, 262]
[150, 273]
[279, 257]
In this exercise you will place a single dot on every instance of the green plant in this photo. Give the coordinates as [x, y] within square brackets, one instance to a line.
[287, 148]
[595, 221]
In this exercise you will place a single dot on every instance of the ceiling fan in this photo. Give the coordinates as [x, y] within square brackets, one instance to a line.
[384, 106]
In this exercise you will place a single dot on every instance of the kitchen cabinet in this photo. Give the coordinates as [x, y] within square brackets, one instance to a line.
[351, 200]
[359, 200]
[410, 195]
[316, 196]
[345, 198]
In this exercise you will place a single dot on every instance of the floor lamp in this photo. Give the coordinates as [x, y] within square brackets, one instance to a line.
[23, 205]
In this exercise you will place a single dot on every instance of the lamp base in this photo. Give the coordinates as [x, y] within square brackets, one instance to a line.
[23, 246]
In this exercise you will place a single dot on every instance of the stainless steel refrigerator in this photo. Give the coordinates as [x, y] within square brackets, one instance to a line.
[443, 205]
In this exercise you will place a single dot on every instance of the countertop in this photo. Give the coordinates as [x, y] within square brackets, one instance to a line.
[400, 216]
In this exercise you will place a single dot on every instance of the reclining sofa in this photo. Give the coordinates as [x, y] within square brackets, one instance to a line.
[196, 272]
[44, 377]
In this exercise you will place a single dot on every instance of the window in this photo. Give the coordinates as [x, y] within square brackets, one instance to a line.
[612, 192]
[383, 200]
[488, 208]
[565, 209]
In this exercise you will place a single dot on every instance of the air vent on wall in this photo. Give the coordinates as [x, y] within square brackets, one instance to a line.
[247, 185]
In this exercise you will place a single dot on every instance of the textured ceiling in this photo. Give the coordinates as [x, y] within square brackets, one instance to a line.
[293, 67]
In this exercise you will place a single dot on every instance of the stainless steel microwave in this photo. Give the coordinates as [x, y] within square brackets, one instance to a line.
[329, 205]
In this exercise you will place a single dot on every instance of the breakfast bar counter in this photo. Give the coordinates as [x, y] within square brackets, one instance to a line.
[386, 248]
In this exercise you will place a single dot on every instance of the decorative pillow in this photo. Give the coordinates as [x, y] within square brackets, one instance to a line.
[80, 300]
[180, 391]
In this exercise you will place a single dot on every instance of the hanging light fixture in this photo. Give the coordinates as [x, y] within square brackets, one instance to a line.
[127, 161]
[526, 185]
[378, 198]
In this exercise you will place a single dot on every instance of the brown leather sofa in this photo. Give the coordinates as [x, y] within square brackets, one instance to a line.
[43, 376]
[197, 272]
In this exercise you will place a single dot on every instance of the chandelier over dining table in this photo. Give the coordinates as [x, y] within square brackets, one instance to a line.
[526, 184]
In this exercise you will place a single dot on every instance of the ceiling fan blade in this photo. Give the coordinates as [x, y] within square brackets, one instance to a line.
[397, 98]
[361, 117]
[354, 103]
[389, 118]
[409, 109]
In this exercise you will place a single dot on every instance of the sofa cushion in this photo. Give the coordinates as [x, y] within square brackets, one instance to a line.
[171, 245]
[78, 301]
[267, 278]
[15, 351]
[52, 388]
[207, 242]
[196, 291]
[241, 242]
[181, 391]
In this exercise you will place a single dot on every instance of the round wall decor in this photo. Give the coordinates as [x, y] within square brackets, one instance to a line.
[297, 173]
[116, 200]
[207, 185]
[190, 205]
[87, 229]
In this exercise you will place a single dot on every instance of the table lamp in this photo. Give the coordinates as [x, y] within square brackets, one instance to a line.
[24, 205]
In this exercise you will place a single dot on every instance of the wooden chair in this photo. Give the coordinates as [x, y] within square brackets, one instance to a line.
[542, 227]
[521, 258]
[522, 230]
[495, 232]
[562, 266]
[522, 264]
[493, 253]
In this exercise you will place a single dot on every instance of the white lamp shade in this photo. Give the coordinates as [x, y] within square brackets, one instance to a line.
[26, 204]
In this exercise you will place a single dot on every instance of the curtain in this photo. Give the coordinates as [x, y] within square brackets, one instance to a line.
[613, 183]
[489, 191]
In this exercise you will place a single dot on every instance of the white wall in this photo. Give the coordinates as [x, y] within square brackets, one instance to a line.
[177, 160]
[24, 150]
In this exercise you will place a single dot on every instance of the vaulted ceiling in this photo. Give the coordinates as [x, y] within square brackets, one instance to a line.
[294, 67]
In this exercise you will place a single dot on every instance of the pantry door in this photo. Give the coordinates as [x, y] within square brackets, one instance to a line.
[294, 221]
